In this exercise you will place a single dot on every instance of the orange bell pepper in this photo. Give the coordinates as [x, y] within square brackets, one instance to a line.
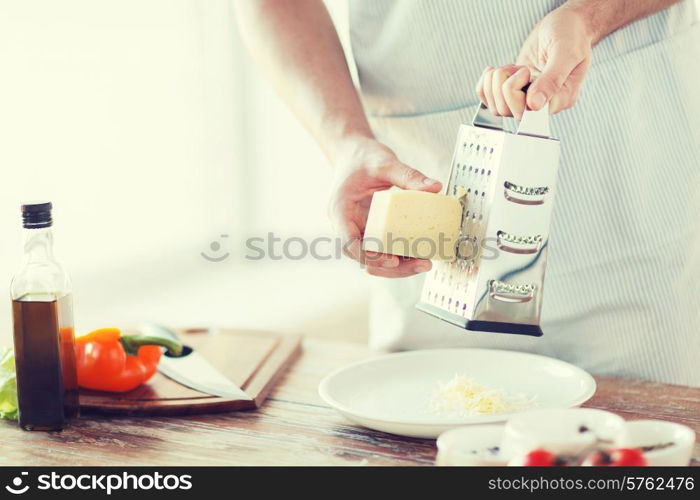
[108, 361]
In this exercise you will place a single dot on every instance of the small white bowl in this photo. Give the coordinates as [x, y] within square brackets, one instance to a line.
[643, 433]
[472, 445]
[562, 431]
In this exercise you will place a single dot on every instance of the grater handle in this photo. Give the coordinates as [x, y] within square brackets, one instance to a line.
[484, 118]
[533, 123]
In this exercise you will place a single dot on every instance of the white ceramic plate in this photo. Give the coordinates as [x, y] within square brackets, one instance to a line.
[392, 393]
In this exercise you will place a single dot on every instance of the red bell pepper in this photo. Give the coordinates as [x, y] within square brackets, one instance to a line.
[108, 361]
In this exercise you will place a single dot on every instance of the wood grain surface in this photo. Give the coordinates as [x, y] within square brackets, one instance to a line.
[293, 427]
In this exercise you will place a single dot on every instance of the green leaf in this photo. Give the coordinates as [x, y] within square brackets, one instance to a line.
[8, 384]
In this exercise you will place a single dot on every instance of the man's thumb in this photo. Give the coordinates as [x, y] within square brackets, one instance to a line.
[406, 177]
[555, 73]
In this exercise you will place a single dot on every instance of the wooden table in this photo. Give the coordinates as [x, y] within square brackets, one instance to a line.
[293, 428]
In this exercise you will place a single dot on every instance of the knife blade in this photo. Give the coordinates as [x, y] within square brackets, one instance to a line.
[193, 370]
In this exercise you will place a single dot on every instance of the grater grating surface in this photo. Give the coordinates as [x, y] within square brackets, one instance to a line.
[505, 183]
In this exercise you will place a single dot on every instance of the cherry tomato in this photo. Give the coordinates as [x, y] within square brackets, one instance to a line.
[539, 458]
[621, 457]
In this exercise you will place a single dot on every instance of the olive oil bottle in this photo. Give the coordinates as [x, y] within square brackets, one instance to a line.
[47, 382]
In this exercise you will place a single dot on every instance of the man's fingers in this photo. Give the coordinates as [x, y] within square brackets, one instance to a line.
[353, 249]
[407, 267]
[487, 82]
[406, 177]
[480, 89]
[513, 93]
[383, 260]
[498, 78]
[385, 265]
[559, 66]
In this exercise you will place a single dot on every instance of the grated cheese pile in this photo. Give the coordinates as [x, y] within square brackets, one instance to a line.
[461, 396]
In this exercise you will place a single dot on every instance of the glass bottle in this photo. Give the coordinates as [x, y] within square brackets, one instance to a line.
[42, 308]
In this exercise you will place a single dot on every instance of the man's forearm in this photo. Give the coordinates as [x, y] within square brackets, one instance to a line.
[296, 44]
[605, 16]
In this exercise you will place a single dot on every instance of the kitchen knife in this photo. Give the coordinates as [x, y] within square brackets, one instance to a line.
[192, 370]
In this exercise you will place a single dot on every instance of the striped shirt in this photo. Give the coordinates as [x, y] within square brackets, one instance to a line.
[622, 289]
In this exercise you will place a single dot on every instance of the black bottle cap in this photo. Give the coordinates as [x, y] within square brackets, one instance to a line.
[36, 214]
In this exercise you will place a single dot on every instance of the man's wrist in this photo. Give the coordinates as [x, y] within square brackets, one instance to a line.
[602, 17]
[593, 15]
[348, 152]
[343, 141]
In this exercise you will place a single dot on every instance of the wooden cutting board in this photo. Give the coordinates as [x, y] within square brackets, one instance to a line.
[252, 359]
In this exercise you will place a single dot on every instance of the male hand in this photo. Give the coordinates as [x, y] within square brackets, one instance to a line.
[556, 55]
[364, 167]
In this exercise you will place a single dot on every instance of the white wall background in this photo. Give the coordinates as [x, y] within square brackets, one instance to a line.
[149, 128]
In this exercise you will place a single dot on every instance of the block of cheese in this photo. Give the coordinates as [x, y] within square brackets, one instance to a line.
[413, 224]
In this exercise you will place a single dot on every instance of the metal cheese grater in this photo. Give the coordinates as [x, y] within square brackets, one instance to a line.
[506, 183]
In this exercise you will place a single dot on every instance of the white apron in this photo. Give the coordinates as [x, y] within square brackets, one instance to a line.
[622, 291]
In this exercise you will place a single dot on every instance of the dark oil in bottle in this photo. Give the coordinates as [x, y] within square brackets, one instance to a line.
[71, 404]
[47, 390]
